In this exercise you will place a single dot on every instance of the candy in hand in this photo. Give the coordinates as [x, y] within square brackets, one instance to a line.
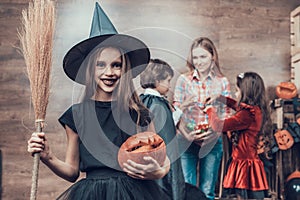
[202, 126]
[190, 126]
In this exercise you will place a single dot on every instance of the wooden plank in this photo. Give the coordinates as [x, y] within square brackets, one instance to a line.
[295, 31]
[295, 12]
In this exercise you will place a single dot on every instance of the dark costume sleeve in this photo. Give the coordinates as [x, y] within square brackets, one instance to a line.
[240, 121]
[161, 116]
[67, 119]
[163, 125]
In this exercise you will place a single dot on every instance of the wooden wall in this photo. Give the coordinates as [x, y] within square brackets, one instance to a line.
[250, 35]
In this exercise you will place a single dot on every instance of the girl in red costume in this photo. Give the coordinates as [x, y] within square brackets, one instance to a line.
[245, 176]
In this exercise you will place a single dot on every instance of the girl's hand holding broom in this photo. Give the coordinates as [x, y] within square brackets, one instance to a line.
[39, 144]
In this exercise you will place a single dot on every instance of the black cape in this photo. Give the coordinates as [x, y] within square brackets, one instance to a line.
[162, 118]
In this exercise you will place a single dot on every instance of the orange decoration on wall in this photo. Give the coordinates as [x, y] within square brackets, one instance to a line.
[284, 139]
[286, 90]
[295, 174]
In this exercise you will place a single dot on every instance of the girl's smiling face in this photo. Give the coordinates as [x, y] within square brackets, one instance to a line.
[108, 71]
[202, 59]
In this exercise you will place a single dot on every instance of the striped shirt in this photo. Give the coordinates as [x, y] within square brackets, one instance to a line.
[189, 84]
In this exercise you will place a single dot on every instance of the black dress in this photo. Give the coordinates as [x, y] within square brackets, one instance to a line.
[173, 182]
[102, 129]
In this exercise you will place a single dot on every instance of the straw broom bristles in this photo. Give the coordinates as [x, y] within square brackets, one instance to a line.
[36, 43]
[36, 38]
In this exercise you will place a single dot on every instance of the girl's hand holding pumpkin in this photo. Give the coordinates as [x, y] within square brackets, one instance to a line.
[150, 171]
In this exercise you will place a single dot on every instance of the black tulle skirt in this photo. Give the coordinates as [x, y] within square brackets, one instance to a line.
[113, 185]
[193, 193]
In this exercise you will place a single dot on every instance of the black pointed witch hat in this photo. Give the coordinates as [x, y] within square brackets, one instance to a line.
[104, 34]
[101, 24]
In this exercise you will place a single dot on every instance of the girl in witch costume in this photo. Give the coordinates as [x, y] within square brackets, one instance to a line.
[245, 175]
[155, 79]
[109, 114]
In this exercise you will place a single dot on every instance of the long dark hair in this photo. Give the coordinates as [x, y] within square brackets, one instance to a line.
[253, 93]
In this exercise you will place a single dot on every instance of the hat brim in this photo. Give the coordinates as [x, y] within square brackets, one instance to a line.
[137, 51]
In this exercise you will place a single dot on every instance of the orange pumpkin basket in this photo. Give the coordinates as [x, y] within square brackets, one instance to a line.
[142, 144]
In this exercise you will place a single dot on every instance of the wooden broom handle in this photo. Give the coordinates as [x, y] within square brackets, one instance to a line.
[35, 170]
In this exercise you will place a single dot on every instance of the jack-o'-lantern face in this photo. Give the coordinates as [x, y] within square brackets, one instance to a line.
[284, 139]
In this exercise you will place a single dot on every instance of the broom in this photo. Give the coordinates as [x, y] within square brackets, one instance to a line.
[36, 37]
